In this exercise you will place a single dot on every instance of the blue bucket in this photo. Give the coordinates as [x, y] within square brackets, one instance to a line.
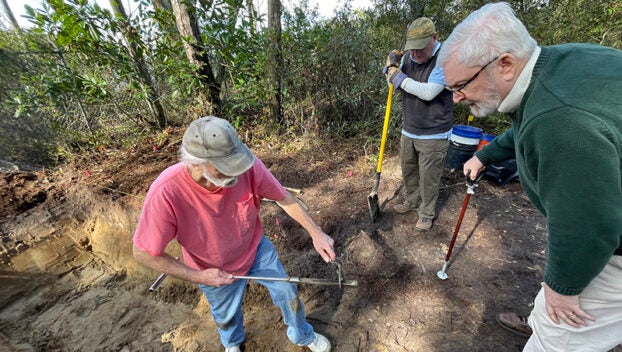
[468, 135]
[463, 143]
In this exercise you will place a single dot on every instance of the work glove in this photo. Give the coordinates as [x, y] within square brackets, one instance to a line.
[394, 58]
[395, 76]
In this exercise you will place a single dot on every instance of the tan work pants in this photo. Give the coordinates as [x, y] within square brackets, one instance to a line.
[602, 299]
[422, 167]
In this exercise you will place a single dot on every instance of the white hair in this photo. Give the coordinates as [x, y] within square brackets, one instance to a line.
[189, 159]
[486, 33]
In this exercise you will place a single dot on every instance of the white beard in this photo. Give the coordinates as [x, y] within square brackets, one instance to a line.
[217, 181]
[489, 104]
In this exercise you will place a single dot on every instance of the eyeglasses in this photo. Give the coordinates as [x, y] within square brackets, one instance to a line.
[459, 89]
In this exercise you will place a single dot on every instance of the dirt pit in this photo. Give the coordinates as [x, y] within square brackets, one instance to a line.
[69, 283]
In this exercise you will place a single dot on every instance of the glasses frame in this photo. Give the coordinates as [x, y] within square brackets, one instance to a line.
[459, 89]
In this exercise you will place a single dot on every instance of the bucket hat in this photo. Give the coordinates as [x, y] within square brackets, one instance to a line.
[215, 140]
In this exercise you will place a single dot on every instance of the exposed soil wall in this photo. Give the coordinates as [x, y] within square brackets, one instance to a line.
[69, 282]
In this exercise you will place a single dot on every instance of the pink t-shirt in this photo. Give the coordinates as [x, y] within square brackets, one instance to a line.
[215, 229]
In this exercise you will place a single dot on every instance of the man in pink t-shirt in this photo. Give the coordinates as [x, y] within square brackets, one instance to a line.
[209, 203]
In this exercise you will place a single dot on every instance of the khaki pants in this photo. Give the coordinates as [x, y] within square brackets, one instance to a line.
[602, 299]
[422, 167]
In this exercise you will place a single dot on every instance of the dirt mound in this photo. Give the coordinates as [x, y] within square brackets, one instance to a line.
[69, 282]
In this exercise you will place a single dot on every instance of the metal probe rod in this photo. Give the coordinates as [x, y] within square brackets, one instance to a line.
[299, 280]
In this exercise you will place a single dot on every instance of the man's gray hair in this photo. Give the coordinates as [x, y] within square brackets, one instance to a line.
[188, 159]
[486, 33]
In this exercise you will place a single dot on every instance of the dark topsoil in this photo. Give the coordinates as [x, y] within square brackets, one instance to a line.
[94, 297]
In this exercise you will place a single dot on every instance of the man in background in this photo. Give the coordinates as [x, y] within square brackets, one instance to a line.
[427, 119]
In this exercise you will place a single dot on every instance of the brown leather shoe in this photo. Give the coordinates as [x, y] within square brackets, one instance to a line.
[423, 224]
[514, 323]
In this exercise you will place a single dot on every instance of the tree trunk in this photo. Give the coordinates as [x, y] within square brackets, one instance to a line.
[196, 53]
[275, 66]
[133, 41]
[252, 16]
[7, 11]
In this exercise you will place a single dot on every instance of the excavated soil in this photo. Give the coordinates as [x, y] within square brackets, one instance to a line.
[69, 282]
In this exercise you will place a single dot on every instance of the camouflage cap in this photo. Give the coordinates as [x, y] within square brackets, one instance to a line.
[419, 34]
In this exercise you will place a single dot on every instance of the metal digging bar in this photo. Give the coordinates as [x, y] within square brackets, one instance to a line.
[471, 184]
[296, 280]
[159, 280]
[301, 280]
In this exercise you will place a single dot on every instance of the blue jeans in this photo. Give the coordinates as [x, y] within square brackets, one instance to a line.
[226, 301]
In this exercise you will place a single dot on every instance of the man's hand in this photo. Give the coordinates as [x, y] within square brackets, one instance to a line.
[171, 266]
[474, 166]
[565, 308]
[323, 244]
[321, 241]
[395, 76]
[394, 58]
[212, 277]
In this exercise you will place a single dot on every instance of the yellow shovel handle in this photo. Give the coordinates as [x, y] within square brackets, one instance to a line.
[385, 127]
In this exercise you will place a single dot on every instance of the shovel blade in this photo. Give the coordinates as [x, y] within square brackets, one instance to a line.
[374, 208]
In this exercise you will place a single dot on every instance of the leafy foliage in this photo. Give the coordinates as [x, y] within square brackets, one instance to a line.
[582, 21]
[333, 69]
[71, 81]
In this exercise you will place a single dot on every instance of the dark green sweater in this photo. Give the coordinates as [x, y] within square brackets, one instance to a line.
[566, 136]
